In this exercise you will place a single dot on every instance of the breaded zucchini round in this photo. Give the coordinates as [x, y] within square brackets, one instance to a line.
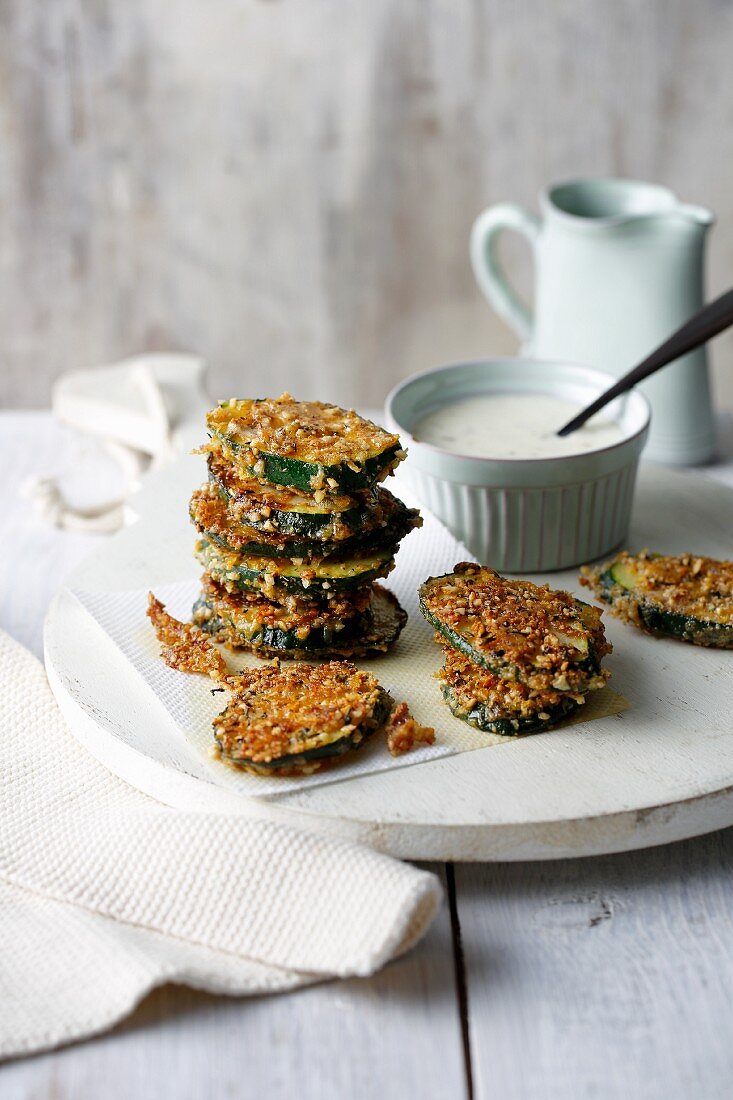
[516, 629]
[307, 445]
[375, 630]
[216, 521]
[298, 625]
[274, 509]
[274, 576]
[687, 597]
[288, 721]
[497, 705]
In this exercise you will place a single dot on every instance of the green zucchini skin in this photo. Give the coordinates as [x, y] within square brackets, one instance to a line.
[485, 718]
[376, 631]
[668, 624]
[338, 747]
[493, 663]
[318, 640]
[248, 574]
[307, 525]
[387, 537]
[311, 552]
[298, 474]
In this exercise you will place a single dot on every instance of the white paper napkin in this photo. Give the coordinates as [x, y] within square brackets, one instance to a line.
[105, 893]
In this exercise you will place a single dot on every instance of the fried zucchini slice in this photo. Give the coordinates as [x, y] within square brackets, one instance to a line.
[277, 510]
[376, 632]
[314, 580]
[288, 721]
[516, 629]
[213, 519]
[259, 623]
[496, 705]
[489, 717]
[687, 597]
[306, 445]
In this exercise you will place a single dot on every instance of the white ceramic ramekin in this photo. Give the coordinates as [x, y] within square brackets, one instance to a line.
[524, 515]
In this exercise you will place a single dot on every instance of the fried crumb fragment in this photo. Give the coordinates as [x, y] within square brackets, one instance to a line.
[184, 646]
[404, 732]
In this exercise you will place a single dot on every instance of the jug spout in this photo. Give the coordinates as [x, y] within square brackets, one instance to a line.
[697, 215]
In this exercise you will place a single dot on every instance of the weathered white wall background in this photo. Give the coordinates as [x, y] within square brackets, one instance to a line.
[287, 186]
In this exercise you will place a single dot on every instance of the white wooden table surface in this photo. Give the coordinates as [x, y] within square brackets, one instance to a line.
[599, 978]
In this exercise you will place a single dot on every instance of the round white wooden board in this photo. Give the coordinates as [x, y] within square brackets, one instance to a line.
[660, 771]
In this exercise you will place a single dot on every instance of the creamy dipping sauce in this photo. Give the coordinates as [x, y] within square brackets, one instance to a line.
[513, 425]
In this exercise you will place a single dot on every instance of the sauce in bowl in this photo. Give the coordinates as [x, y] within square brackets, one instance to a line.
[513, 425]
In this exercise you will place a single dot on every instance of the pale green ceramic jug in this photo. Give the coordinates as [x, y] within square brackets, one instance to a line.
[619, 266]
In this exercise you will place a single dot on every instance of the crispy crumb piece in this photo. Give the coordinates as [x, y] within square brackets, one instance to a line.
[184, 646]
[404, 733]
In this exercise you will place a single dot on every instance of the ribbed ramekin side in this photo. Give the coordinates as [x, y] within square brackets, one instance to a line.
[533, 530]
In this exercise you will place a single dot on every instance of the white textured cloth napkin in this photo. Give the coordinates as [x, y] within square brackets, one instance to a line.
[105, 893]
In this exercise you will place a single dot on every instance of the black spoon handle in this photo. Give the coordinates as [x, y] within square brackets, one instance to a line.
[708, 322]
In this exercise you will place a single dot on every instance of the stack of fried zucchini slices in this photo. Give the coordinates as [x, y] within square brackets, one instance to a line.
[518, 657]
[295, 529]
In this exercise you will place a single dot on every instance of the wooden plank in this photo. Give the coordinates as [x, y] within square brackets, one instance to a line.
[392, 1036]
[608, 977]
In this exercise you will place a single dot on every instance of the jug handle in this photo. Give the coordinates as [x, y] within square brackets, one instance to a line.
[488, 270]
